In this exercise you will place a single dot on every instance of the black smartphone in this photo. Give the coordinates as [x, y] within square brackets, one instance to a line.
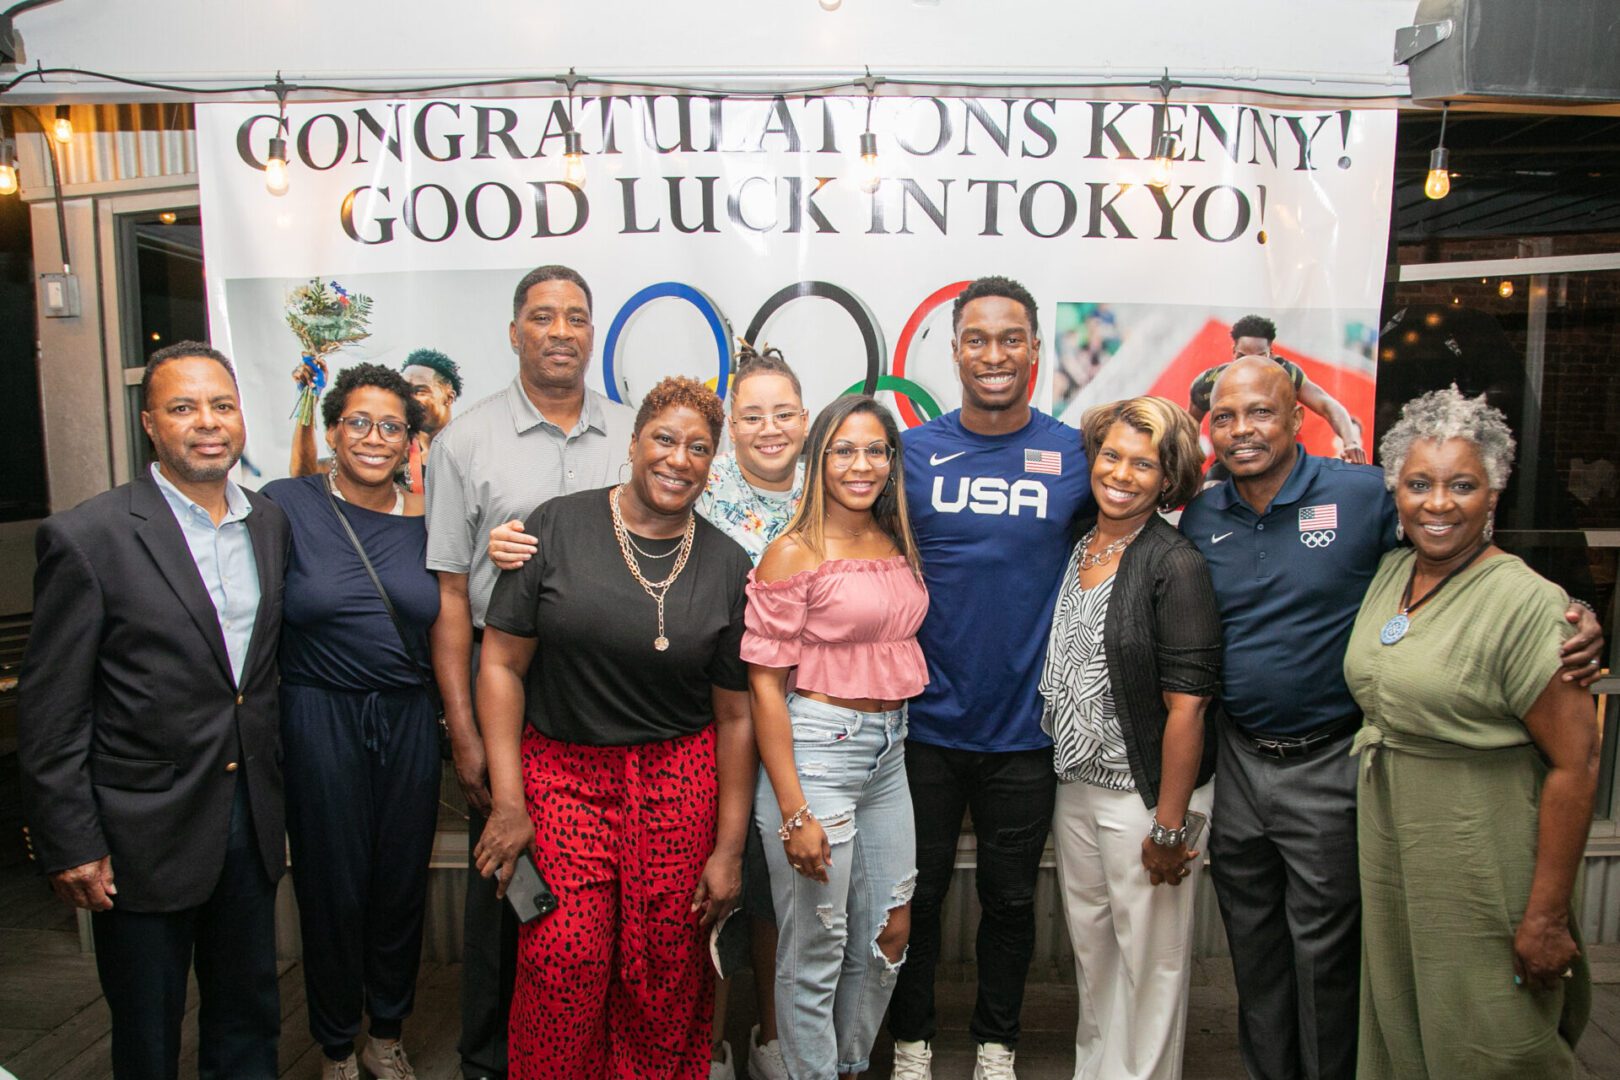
[527, 892]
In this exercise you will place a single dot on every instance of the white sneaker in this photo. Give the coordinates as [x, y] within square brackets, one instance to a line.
[911, 1061]
[385, 1059]
[723, 1069]
[347, 1069]
[765, 1059]
[995, 1063]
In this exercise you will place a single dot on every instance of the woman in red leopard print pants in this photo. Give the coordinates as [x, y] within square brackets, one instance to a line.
[616, 726]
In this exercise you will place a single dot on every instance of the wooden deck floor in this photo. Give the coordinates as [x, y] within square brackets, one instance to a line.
[53, 1020]
[54, 1025]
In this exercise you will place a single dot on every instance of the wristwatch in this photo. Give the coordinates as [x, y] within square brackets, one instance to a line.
[1167, 837]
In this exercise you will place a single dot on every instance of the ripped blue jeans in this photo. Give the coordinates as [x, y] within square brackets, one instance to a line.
[832, 981]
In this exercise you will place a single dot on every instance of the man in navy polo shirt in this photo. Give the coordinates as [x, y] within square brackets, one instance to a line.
[993, 490]
[1292, 541]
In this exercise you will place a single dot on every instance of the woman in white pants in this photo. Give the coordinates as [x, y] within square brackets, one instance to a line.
[1132, 663]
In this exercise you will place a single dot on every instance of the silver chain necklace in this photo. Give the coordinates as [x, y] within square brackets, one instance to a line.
[1088, 560]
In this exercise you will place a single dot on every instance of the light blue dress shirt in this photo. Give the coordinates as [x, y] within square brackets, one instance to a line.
[224, 557]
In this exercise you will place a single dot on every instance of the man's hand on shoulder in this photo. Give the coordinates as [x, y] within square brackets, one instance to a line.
[1582, 653]
[509, 546]
[89, 886]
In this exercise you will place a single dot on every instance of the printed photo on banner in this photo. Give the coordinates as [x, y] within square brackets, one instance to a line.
[1111, 351]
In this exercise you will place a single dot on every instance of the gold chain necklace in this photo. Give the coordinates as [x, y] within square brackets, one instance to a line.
[655, 589]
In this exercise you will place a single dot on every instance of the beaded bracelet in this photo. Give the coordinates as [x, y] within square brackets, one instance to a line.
[794, 822]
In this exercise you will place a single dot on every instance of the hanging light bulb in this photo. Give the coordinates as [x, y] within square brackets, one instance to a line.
[866, 171]
[1164, 147]
[573, 159]
[1505, 290]
[867, 177]
[1164, 159]
[1437, 185]
[8, 160]
[275, 167]
[275, 162]
[574, 174]
[62, 127]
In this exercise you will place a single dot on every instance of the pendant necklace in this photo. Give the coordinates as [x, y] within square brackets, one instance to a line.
[1399, 622]
[655, 589]
[1088, 560]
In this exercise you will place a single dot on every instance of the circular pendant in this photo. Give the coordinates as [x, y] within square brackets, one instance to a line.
[1394, 630]
[660, 642]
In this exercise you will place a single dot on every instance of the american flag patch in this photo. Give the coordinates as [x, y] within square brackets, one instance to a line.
[1043, 461]
[1325, 516]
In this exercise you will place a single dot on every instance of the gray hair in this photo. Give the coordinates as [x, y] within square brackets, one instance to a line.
[1447, 414]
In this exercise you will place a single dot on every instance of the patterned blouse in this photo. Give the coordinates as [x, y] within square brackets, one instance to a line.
[731, 504]
[1087, 742]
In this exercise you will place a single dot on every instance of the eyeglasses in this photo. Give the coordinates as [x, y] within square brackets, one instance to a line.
[843, 454]
[755, 421]
[359, 427]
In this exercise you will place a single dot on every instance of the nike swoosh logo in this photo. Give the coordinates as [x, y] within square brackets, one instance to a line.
[935, 459]
[1218, 539]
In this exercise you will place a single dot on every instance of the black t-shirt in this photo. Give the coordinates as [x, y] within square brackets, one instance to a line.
[596, 679]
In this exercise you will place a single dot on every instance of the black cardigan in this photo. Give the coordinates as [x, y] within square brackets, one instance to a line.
[1162, 634]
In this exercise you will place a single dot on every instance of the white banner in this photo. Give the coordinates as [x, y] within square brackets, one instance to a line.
[702, 219]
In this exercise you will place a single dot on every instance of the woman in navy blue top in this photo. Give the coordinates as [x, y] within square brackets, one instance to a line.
[357, 726]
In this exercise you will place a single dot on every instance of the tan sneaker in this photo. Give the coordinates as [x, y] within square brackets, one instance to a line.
[347, 1069]
[995, 1063]
[765, 1059]
[385, 1059]
[912, 1061]
[723, 1069]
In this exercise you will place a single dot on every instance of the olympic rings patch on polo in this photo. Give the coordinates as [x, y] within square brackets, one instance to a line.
[1289, 583]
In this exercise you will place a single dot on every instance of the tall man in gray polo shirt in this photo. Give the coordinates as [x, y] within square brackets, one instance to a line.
[544, 435]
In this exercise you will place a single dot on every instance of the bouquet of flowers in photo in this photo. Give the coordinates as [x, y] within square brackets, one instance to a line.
[325, 317]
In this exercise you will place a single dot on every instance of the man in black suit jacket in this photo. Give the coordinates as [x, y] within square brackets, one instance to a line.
[148, 733]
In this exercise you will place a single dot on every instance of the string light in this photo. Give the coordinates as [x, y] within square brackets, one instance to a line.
[1438, 183]
[932, 84]
[276, 180]
[1505, 290]
[62, 126]
[573, 146]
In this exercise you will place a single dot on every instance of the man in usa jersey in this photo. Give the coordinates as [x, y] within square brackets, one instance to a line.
[994, 489]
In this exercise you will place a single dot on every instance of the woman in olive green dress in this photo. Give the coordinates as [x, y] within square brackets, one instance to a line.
[1478, 768]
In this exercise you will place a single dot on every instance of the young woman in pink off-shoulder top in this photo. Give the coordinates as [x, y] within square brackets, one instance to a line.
[833, 611]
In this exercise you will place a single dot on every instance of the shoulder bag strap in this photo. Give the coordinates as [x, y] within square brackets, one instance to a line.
[388, 605]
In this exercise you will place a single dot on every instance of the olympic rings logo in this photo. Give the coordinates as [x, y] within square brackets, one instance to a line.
[913, 402]
[1317, 538]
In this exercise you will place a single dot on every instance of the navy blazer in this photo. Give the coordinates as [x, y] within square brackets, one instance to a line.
[132, 730]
